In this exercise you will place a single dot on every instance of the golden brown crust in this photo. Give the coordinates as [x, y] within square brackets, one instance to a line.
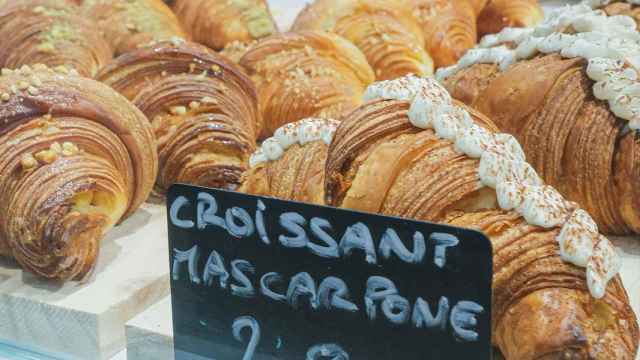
[305, 74]
[298, 175]
[572, 139]
[128, 24]
[542, 308]
[449, 28]
[384, 30]
[75, 159]
[218, 23]
[202, 107]
[478, 5]
[235, 50]
[382, 126]
[498, 14]
[50, 32]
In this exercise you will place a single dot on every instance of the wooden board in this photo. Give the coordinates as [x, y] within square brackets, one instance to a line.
[86, 321]
[150, 334]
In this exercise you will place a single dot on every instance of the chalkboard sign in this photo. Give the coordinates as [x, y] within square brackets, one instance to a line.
[260, 278]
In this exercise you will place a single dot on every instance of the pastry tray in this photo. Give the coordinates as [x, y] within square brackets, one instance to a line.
[125, 303]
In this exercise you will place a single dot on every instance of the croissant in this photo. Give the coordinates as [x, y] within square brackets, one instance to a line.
[203, 110]
[50, 32]
[216, 23]
[290, 165]
[498, 14]
[385, 31]
[75, 159]
[543, 306]
[305, 74]
[128, 24]
[478, 5]
[449, 28]
[570, 114]
[235, 50]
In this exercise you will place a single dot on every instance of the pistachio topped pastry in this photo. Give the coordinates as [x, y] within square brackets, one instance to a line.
[50, 32]
[127, 24]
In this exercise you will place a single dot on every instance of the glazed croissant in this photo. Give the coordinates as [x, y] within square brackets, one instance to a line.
[543, 307]
[499, 14]
[128, 24]
[305, 74]
[50, 32]
[578, 143]
[384, 30]
[203, 110]
[75, 159]
[290, 165]
[217, 23]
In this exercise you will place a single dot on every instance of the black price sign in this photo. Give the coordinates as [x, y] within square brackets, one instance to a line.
[260, 278]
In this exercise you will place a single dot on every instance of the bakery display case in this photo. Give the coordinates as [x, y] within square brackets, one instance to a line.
[515, 119]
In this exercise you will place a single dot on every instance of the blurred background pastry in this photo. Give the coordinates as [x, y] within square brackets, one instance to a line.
[51, 32]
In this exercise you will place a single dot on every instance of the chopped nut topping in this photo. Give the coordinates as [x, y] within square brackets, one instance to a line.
[55, 147]
[69, 149]
[28, 161]
[178, 110]
[46, 156]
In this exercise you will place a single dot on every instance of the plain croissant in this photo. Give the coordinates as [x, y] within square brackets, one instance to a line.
[305, 74]
[128, 24]
[50, 32]
[499, 14]
[202, 107]
[75, 159]
[449, 28]
[384, 30]
[542, 309]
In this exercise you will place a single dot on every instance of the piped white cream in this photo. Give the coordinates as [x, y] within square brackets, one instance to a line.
[610, 44]
[503, 167]
[299, 132]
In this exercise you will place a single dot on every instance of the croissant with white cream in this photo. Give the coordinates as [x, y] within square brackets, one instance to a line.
[50, 32]
[545, 305]
[216, 23]
[75, 159]
[202, 107]
[290, 165]
[128, 24]
[305, 74]
[570, 105]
